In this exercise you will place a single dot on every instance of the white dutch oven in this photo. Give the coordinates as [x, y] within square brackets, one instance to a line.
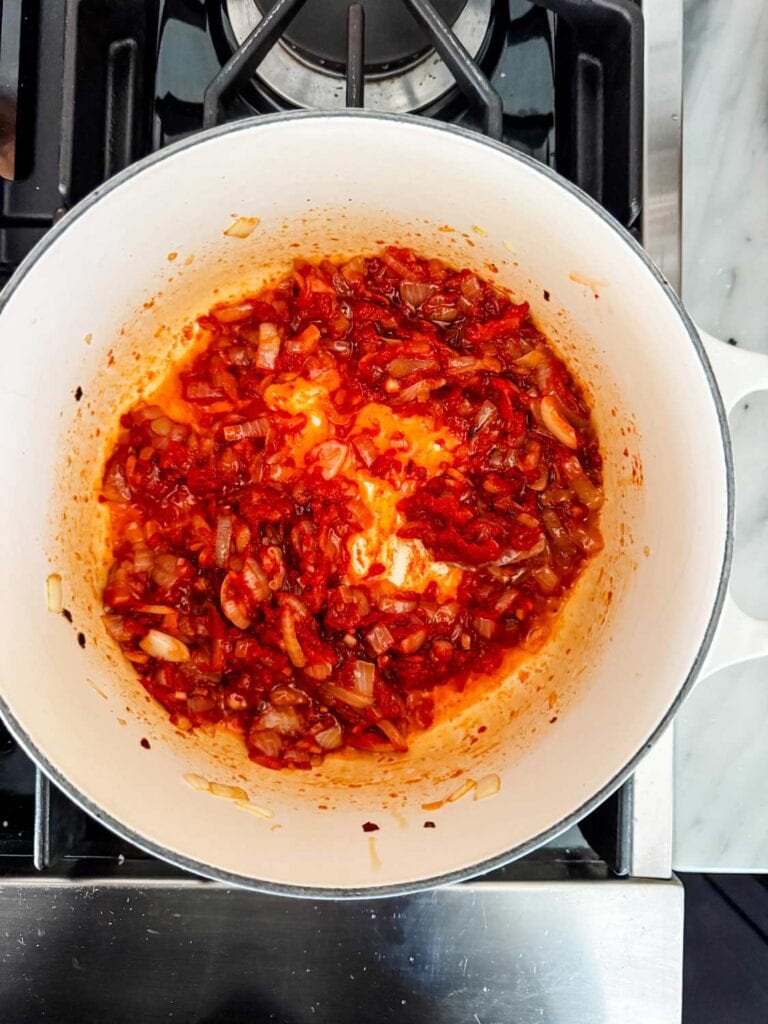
[99, 305]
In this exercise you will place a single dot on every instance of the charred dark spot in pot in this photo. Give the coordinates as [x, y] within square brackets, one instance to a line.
[370, 826]
[546, 295]
[81, 639]
[429, 824]
[732, 341]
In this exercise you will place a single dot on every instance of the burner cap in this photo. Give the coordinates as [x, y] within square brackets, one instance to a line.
[392, 36]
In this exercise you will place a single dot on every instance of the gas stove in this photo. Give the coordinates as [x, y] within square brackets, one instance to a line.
[589, 927]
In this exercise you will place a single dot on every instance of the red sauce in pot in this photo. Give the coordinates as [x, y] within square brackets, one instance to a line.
[374, 477]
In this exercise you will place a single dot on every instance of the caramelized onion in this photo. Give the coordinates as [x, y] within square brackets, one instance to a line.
[363, 677]
[251, 428]
[379, 639]
[269, 346]
[395, 736]
[290, 640]
[331, 692]
[330, 738]
[223, 537]
[556, 423]
[416, 292]
[160, 645]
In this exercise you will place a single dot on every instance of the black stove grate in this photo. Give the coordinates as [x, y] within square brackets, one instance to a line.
[93, 85]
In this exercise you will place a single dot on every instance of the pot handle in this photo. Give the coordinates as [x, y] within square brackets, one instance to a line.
[739, 637]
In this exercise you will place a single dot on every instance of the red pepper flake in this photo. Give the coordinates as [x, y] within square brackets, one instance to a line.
[370, 826]
[78, 393]
[67, 614]
[429, 824]
[144, 742]
[81, 639]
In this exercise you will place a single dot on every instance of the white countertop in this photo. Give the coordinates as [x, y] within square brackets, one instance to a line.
[721, 745]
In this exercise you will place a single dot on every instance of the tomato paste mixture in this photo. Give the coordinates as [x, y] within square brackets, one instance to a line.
[371, 478]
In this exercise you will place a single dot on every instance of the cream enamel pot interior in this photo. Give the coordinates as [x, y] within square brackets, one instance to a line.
[100, 305]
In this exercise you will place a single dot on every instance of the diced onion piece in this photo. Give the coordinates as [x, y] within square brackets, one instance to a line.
[143, 559]
[365, 448]
[242, 227]
[255, 581]
[233, 314]
[505, 602]
[588, 537]
[439, 312]
[464, 364]
[331, 456]
[266, 741]
[228, 792]
[363, 678]
[464, 788]
[231, 605]
[115, 626]
[153, 609]
[53, 593]
[485, 414]
[251, 428]
[415, 292]
[420, 390]
[329, 739]
[411, 643]
[320, 672]
[556, 423]
[198, 704]
[115, 487]
[200, 391]
[354, 270]
[489, 785]
[269, 346]
[332, 692]
[379, 638]
[586, 492]
[470, 287]
[397, 605]
[530, 360]
[290, 640]
[395, 736]
[163, 646]
[167, 570]
[305, 342]
[484, 627]
[284, 720]
[260, 812]
[395, 264]
[512, 555]
[402, 366]
[547, 578]
[556, 530]
[223, 537]
[197, 782]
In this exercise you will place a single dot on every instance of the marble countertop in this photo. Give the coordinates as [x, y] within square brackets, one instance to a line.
[721, 734]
